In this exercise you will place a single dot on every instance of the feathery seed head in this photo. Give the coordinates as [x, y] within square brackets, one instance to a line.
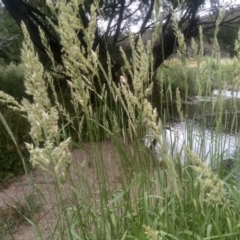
[123, 80]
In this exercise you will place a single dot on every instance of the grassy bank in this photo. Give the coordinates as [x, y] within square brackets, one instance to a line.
[199, 78]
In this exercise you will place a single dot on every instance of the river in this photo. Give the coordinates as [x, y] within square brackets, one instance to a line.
[210, 128]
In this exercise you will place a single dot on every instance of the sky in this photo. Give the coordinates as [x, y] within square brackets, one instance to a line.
[223, 2]
[135, 28]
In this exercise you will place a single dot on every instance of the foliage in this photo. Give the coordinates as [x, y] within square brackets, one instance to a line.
[172, 75]
[10, 38]
[10, 160]
[227, 37]
[11, 81]
[13, 216]
[146, 199]
[119, 18]
[181, 77]
[227, 33]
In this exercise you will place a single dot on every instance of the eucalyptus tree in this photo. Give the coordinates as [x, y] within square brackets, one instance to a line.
[116, 18]
[228, 33]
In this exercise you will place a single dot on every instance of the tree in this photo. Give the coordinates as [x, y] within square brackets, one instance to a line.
[10, 38]
[119, 16]
[228, 33]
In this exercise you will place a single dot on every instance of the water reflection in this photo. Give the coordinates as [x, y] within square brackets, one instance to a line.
[206, 143]
[226, 93]
[218, 113]
[210, 128]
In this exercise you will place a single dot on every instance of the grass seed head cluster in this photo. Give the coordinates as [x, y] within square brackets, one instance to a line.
[177, 202]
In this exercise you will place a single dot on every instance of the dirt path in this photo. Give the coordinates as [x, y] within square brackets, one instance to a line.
[46, 217]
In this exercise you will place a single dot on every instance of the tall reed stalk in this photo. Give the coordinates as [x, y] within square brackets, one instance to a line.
[124, 193]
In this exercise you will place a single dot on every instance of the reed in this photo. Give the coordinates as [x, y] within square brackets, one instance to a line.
[116, 188]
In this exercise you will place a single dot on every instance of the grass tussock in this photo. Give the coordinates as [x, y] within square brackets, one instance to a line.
[145, 198]
[16, 214]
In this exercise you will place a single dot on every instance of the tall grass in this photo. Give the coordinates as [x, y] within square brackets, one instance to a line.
[124, 193]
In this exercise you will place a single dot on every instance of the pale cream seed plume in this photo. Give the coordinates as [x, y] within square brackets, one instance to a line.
[123, 80]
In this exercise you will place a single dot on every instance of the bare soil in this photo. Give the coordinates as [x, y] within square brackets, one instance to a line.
[82, 170]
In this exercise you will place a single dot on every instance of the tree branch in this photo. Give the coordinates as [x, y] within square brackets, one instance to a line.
[119, 21]
[147, 17]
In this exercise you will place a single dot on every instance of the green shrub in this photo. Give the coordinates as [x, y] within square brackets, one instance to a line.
[193, 80]
[178, 76]
[10, 160]
[11, 80]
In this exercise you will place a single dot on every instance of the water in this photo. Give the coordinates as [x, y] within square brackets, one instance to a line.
[226, 93]
[210, 129]
[206, 143]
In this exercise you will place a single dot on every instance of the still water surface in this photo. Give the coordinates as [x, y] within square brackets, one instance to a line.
[210, 128]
